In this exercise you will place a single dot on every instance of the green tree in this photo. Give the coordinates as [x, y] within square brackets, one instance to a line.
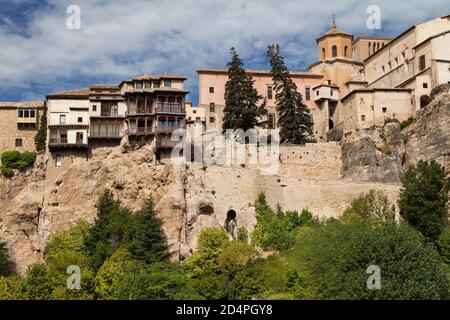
[335, 257]
[10, 288]
[110, 227]
[294, 119]
[241, 107]
[444, 245]
[40, 139]
[424, 198]
[373, 205]
[146, 239]
[70, 241]
[206, 258]
[3, 259]
[38, 284]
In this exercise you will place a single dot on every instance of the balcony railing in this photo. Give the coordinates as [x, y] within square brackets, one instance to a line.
[136, 111]
[56, 141]
[166, 108]
[139, 131]
[106, 135]
[167, 129]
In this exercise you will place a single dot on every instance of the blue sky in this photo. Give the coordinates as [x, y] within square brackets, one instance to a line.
[121, 39]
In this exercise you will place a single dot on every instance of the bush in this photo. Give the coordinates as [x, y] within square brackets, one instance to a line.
[335, 257]
[373, 205]
[71, 241]
[3, 259]
[424, 198]
[407, 123]
[15, 160]
[444, 245]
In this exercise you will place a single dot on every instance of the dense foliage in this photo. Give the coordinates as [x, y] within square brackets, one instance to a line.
[123, 255]
[16, 160]
[242, 109]
[424, 198]
[3, 259]
[40, 139]
[294, 119]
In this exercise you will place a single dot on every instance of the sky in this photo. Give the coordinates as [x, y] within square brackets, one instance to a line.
[43, 50]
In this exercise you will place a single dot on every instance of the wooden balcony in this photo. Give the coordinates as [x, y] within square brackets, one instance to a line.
[62, 143]
[166, 129]
[139, 111]
[139, 131]
[166, 108]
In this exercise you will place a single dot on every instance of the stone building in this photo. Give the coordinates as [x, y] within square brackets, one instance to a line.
[195, 119]
[20, 121]
[212, 95]
[146, 109]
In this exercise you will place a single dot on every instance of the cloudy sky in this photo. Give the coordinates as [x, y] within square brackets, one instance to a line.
[120, 39]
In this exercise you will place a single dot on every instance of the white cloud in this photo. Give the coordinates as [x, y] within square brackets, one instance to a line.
[120, 39]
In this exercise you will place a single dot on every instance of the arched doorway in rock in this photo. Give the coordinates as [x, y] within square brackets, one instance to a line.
[330, 124]
[424, 101]
[231, 223]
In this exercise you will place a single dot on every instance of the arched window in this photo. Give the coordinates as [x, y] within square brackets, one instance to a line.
[345, 51]
[334, 51]
[370, 47]
[378, 46]
[323, 53]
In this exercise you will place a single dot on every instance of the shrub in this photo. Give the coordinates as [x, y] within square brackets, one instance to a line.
[15, 160]
[444, 245]
[3, 259]
[407, 123]
[373, 205]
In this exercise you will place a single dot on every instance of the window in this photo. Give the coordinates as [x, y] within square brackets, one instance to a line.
[269, 92]
[167, 83]
[212, 119]
[317, 93]
[58, 160]
[363, 117]
[156, 84]
[211, 89]
[323, 53]
[212, 107]
[334, 51]
[147, 84]
[19, 143]
[62, 118]
[331, 92]
[384, 109]
[422, 63]
[271, 121]
[197, 118]
[307, 93]
[80, 119]
[382, 68]
[345, 51]
[94, 108]
[138, 85]
[370, 47]
[425, 85]
[26, 113]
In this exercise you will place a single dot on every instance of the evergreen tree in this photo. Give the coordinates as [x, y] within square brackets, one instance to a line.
[40, 139]
[424, 198]
[294, 119]
[241, 106]
[147, 242]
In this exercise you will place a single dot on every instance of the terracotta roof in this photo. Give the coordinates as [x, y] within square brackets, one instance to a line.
[259, 72]
[77, 93]
[25, 104]
[334, 32]
[372, 37]
[157, 77]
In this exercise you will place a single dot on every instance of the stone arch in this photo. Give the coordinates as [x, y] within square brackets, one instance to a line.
[334, 51]
[231, 223]
[424, 101]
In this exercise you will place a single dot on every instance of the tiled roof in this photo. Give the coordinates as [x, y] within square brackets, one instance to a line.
[26, 104]
[80, 93]
[335, 31]
[259, 72]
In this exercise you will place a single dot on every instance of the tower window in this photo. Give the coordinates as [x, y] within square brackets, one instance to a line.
[422, 63]
[345, 51]
[324, 53]
[334, 51]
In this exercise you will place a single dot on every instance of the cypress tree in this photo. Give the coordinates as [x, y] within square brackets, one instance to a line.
[147, 242]
[40, 139]
[294, 119]
[241, 107]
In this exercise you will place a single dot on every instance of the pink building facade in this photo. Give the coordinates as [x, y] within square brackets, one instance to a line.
[212, 96]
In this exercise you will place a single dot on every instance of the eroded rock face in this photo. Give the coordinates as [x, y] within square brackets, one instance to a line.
[367, 160]
[428, 138]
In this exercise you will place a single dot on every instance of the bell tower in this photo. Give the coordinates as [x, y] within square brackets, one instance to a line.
[335, 44]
